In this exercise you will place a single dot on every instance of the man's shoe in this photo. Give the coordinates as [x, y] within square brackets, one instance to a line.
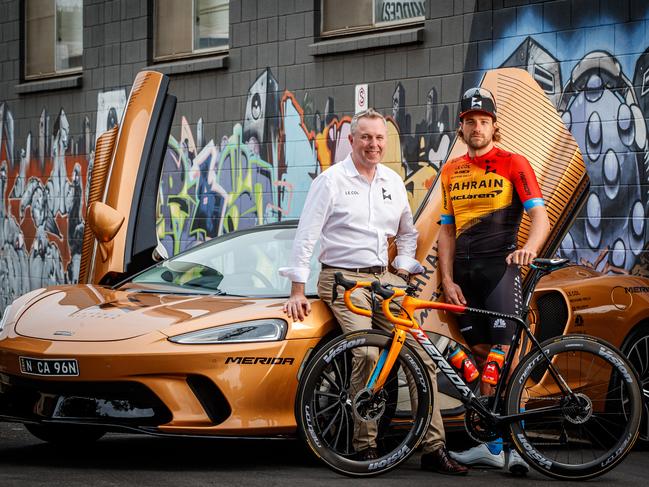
[368, 454]
[439, 461]
[516, 465]
[479, 455]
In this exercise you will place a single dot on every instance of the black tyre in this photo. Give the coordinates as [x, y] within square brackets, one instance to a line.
[593, 431]
[636, 349]
[64, 434]
[327, 407]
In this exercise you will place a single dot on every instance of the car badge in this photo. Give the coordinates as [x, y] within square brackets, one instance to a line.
[64, 333]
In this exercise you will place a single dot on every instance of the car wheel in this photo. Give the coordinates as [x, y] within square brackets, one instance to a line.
[65, 434]
[636, 348]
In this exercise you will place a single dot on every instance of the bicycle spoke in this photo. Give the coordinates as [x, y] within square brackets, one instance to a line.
[331, 423]
[328, 408]
[580, 438]
[331, 407]
[338, 373]
[326, 394]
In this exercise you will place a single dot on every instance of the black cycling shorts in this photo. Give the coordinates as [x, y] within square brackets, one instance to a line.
[493, 285]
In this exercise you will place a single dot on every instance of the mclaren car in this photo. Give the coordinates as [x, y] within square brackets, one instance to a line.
[198, 344]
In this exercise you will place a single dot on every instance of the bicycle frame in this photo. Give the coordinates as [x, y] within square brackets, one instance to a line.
[405, 323]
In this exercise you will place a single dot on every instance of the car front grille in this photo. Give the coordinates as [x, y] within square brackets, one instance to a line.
[116, 403]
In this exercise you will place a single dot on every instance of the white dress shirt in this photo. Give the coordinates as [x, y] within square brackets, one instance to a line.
[353, 220]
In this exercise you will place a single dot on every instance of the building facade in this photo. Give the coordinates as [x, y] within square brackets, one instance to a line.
[266, 91]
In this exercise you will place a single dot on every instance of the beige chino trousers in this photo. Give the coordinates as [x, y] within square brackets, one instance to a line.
[365, 431]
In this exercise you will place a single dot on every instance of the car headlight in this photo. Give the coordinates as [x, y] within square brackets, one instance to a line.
[5, 315]
[248, 331]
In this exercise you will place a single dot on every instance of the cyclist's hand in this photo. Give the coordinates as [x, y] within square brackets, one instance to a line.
[297, 307]
[521, 257]
[453, 293]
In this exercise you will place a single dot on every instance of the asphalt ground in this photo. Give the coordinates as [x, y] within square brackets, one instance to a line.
[126, 460]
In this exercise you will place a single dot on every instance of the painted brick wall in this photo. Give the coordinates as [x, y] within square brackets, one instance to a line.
[253, 130]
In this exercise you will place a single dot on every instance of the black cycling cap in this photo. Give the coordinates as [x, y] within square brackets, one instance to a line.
[478, 100]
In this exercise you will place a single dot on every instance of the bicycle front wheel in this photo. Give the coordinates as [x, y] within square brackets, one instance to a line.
[587, 433]
[338, 419]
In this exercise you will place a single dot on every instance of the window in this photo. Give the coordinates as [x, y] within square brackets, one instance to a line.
[345, 16]
[190, 27]
[53, 37]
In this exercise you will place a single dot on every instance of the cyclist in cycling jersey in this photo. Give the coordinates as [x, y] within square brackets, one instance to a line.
[484, 194]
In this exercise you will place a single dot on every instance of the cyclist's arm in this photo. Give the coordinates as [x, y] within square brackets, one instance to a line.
[539, 231]
[531, 196]
[446, 255]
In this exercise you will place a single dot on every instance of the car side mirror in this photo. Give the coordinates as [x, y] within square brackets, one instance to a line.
[160, 252]
[105, 222]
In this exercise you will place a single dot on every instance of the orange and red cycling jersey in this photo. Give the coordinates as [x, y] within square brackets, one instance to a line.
[484, 197]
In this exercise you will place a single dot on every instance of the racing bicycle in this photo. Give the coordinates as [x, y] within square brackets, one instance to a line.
[572, 406]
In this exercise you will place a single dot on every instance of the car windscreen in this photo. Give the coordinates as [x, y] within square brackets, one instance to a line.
[242, 263]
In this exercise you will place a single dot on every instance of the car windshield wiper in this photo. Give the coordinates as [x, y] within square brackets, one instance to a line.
[216, 292]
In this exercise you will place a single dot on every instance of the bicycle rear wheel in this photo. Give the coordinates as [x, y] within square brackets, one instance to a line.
[591, 432]
[328, 407]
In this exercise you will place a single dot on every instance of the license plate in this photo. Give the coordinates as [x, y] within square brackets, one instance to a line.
[49, 367]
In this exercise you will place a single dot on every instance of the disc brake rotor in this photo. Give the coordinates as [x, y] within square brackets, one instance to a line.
[368, 406]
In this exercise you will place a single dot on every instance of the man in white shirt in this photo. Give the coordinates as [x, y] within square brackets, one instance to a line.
[353, 208]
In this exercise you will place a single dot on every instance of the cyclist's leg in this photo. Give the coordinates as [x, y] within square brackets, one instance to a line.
[364, 359]
[434, 437]
[476, 280]
[474, 328]
[506, 297]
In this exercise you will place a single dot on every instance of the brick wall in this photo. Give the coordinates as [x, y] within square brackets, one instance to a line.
[306, 86]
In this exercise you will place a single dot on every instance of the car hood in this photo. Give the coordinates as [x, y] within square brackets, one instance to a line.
[95, 313]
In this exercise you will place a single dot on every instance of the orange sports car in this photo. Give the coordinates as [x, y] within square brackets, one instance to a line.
[198, 344]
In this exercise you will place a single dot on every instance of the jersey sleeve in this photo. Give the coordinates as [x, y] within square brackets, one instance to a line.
[524, 180]
[448, 217]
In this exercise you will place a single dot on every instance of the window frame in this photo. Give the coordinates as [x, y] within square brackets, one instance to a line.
[375, 27]
[24, 33]
[194, 53]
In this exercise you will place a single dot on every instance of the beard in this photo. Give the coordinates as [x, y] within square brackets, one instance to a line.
[477, 143]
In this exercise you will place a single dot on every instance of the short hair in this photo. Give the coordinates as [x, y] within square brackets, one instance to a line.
[369, 113]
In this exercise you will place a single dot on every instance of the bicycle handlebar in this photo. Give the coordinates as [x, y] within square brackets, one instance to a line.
[350, 286]
[388, 293]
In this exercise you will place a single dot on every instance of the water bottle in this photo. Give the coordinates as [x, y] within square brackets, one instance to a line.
[495, 361]
[460, 360]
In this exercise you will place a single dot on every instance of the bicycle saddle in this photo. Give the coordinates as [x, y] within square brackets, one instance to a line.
[549, 265]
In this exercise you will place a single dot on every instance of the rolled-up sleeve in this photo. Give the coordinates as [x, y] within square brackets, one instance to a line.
[317, 208]
[406, 241]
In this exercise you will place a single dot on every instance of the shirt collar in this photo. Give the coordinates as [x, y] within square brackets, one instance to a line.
[351, 170]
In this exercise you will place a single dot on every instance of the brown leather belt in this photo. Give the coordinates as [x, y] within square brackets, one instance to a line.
[375, 269]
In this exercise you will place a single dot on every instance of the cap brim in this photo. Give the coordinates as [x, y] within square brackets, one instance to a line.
[492, 115]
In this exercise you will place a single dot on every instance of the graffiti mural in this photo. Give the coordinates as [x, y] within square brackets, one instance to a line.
[42, 207]
[606, 113]
[260, 170]
[43, 189]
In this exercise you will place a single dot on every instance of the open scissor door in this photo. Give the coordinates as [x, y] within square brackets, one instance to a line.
[120, 233]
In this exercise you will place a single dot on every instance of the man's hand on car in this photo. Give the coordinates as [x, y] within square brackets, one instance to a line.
[297, 307]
